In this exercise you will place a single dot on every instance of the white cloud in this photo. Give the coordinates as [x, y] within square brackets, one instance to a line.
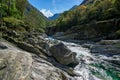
[47, 13]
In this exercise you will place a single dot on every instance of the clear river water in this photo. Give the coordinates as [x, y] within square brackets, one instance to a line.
[92, 67]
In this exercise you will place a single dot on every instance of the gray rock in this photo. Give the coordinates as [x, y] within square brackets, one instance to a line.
[30, 48]
[32, 41]
[3, 46]
[15, 34]
[63, 55]
[87, 46]
[15, 65]
[109, 42]
[107, 47]
[44, 35]
[59, 34]
[40, 37]
[44, 70]
[45, 46]
[113, 61]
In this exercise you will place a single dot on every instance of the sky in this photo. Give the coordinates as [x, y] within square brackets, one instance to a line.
[51, 7]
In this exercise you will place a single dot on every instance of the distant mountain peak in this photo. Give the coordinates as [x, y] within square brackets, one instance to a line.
[55, 16]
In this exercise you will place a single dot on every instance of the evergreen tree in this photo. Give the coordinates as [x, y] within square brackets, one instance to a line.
[20, 5]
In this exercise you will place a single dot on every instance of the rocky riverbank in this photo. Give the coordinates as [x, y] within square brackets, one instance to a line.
[33, 60]
[17, 64]
[43, 58]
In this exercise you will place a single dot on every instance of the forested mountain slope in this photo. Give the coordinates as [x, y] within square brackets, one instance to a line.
[89, 12]
[20, 12]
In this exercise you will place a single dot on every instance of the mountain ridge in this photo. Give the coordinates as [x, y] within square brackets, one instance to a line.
[55, 16]
[89, 12]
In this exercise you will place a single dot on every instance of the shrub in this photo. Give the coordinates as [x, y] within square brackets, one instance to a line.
[13, 21]
[118, 32]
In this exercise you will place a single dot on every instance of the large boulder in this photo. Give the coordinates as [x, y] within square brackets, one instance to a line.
[14, 64]
[63, 54]
[30, 48]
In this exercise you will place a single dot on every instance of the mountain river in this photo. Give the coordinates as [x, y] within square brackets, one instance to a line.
[92, 66]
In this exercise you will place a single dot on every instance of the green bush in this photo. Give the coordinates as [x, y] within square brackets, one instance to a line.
[40, 30]
[3, 9]
[13, 21]
[118, 32]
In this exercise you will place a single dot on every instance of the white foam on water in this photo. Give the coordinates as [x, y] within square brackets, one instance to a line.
[84, 56]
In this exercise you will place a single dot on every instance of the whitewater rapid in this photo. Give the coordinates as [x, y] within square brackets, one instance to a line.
[90, 67]
[84, 56]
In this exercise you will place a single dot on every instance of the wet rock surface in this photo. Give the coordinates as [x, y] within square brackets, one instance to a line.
[63, 54]
[16, 64]
[41, 64]
[3, 46]
[107, 47]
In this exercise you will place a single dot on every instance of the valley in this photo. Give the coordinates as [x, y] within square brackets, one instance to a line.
[82, 43]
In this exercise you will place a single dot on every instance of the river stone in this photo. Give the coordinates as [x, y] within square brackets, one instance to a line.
[59, 34]
[87, 45]
[44, 35]
[32, 41]
[14, 33]
[63, 54]
[3, 46]
[109, 42]
[107, 47]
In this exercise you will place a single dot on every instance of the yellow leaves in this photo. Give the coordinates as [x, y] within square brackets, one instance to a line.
[82, 7]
